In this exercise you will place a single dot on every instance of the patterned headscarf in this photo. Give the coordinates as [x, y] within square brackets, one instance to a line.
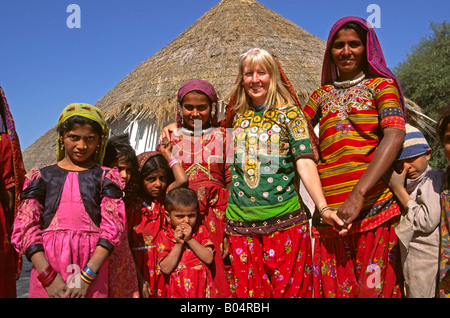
[88, 111]
[207, 89]
[143, 157]
[375, 59]
[18, 166]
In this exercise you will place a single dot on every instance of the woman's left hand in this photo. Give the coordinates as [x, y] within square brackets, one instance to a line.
[350, 209]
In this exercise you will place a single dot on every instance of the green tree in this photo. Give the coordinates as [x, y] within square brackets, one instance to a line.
[425, 79]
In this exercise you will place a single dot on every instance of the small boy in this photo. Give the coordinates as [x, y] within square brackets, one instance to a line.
[185, 251]
[417, 188]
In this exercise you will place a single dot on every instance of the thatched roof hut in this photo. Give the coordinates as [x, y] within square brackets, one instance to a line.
[145, 100]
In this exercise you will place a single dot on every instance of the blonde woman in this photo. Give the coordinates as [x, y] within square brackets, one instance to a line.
[266, 220]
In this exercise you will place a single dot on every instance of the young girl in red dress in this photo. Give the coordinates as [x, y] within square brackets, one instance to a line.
[203, 149]
[185, 250]
[158, 173]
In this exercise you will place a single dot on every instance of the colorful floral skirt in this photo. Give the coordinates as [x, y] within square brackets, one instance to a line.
[277, 265]
[364, 265]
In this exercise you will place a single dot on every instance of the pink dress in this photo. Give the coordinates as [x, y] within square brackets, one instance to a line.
[72, 236]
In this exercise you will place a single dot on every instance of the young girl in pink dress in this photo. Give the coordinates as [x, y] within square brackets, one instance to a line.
[185, 250]
[158, 173]
[71, 214]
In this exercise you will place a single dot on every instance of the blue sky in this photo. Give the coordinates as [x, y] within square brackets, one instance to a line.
[44, 65]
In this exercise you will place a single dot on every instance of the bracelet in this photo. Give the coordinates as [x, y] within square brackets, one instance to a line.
[88, 275]
[47, 276]
[324, 209]
[173, 162]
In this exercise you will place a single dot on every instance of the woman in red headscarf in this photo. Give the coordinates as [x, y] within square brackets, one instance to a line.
[12, 176]
[361, 113]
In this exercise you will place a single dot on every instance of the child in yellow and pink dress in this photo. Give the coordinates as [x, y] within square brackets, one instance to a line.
[71, 215]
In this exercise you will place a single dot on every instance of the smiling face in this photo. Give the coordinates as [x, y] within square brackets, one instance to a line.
[256, 82]
[80, 144]
[196, 106]
[348, 54]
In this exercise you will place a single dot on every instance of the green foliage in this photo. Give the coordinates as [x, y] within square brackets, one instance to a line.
[425, 79]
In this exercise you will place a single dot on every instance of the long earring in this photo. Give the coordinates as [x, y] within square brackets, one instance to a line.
[213, 109]
[180, 113]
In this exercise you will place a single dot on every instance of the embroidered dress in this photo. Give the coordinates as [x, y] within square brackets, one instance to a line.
[66, 214]
[122, 275]
[263, 196]
[264, 209]
[192, 278]
[207, 167]
[351, 120]
[444, 266]
[147, 222]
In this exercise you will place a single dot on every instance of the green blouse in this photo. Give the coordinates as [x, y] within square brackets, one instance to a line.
[267, 144]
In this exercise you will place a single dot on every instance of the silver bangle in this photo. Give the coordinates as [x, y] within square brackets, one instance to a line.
[324, 209]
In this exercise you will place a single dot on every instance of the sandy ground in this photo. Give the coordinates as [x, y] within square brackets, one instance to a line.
[23, 283]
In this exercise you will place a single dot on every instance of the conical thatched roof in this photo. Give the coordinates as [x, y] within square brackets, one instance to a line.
[209, 50]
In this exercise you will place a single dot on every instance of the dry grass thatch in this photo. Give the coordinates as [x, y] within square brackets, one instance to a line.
[209, 50]
[416, 117]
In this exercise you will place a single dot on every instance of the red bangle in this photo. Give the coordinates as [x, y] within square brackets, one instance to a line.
[47, 276]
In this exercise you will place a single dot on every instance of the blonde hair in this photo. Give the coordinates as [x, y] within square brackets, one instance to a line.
[278, 95]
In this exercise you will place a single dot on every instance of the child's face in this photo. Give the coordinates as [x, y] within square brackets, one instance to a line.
[80, 143]
[446, 142]
[155, 183]
[183, 214]
[125, 169]
[417, 165]
[196, 107]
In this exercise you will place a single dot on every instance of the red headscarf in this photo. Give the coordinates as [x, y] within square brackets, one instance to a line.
[143, 157]
[207, 89]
